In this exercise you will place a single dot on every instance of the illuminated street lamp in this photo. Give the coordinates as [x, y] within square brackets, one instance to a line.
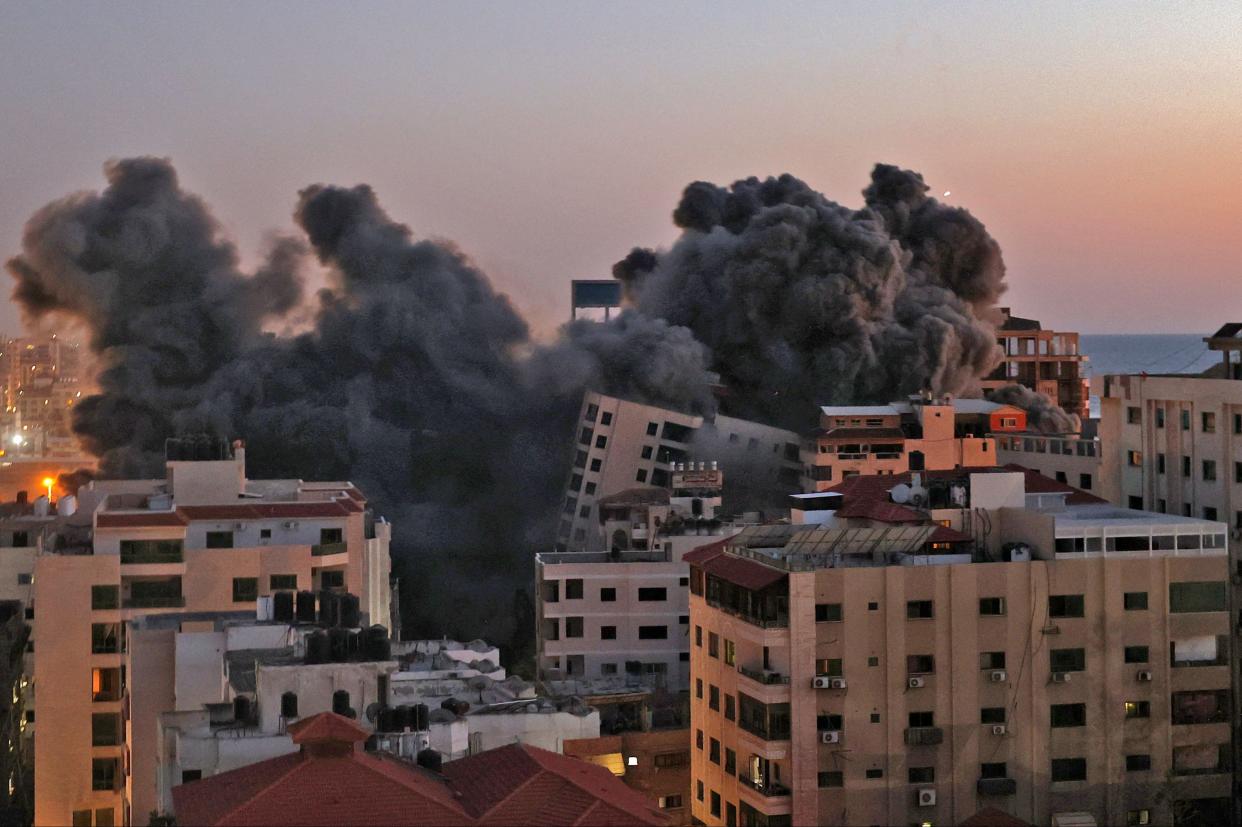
[48, 482]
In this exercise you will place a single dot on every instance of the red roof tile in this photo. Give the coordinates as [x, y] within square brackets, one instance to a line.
[705, 553]
[944, 534]
[517, 784]
[877, 486]
[742, 572]
[152, 519]
[867, 508]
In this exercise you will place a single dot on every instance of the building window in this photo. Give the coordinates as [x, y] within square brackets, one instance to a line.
[698, 785]
[1205, 596]
[1134, 459]
[601, 441]
[875, 773]
[991, 605]
[828, 667]
[1134, 416]
[608, 595]
[713, 751]
[573, 589]
[573, 627]
[919, 609]
[24, 579]
[1136, 654]
[653, 594]
[715, 802]
[992, 715]
[827, 612]
[1237, 423]
[641, 475]
[995, 769]
[105, 729]
[580, 459]
[1205, 706]
[1067, 660]
[730, 652]
[1209, 513]
[875, 717]
[1068, 715]
[592, 412]
[104, 773]
[1159, 417]
[608, 669]
[730, 711]
[1162, 506]
[991, 660]
[872, 660]
[920, 664]
[1159, 463]
[607, 632]
[105, 638]
[921, 720]
[1134, 601]
[219, 539]
[331, 536]
[606, 419]
[1208, 422]
[921, 775]
[1185, 466]
[105, 597]
[698, 636]
[829, 722]
[1138, 763]
[584, 511]
[1209, 470]
[713, 645]
[245, 589]
[831, 778]
[1065, 605]
[584, 437]
[713, 698]
[1084, 482]
[283, 582]
[652, 429]
[1069, 769]
[596, 464]
[653, 633]
[105, 684]
[1136, 502]
[873, 606]
[1138, 709]
[670, 802]
[81, 818]
[1185, 420]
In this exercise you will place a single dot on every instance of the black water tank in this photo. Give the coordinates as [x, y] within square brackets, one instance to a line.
[306, 607]
[402, 718]
[318, 650]
[377, 645]
[329, 609]
[282, 607]
[338, 645]
[429, 759]
[340, 703]
[289, 705]
[355, 645]
[386, 720]
[351, 613]
[241, 708]
[422, 718]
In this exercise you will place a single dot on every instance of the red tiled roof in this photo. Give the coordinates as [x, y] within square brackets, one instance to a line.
[878, 510]
[1037, 483]
[517, 784]
[704, 553]
[742, 572]
[877, 486]
[944, 534]
[151, 519]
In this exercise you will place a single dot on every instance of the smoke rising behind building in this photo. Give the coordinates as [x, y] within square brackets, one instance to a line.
[422, 384]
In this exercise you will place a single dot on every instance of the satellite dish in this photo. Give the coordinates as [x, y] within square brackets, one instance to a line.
[372, 711]
[900, 494]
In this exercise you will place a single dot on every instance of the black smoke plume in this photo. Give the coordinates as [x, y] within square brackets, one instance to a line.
[421, 383]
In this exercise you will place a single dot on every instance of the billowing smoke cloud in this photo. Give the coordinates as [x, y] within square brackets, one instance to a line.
[1042, 414]
[804, 302]
[421, 383]
[416, 379]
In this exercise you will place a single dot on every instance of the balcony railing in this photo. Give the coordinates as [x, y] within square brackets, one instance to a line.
[924, 736]
[151, 555]
[780, 621]
[997, 786]
[765, 677]
[324, 549]
[155, 601]
[770, 789]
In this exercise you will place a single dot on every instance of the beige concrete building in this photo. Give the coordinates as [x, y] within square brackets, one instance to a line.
[622, 444]
[845, 675]
[203, 539]
[1045, 361]
[917, 434]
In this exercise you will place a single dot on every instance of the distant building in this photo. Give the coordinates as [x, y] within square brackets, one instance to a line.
[595, 295]
[912, 435]
[622, 444]
[203, 539]
[41, 383]
[1048, 655]
[331, 780]
[1044, 361]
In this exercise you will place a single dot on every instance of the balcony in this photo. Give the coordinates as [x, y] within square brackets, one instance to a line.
[155, 601]
[324, 549]
[997, 786]
[924, 736]
[764, 676]
[144, 552]
[768, 789]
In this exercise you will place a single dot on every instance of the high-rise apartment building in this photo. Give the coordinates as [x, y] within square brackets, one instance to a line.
[622, 444]
[1045, 361]
[917, 434]
[203, 539]
[41, 384]
[1068, 664]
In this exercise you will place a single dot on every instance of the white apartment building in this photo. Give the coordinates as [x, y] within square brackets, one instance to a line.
[622, 444]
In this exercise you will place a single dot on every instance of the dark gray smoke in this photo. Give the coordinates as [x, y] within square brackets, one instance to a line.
[1042, 414]
[804, 302]
[416, 380]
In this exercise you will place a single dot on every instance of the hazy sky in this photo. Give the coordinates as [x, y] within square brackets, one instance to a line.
[1101, 143]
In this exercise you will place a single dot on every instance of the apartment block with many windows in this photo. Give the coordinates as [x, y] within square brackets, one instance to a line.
[1071, 667]
[203, 539]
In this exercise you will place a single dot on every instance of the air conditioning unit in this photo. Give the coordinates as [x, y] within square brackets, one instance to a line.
[998, 676]
[999, 729]
[1052, 629]
[836, 683]
[290, 524]
[821, 683]
[1060, 677]
[1144, 676]
[927, 797]
[1144, 817]
[832, 736]
[239, 526]
[916, 683]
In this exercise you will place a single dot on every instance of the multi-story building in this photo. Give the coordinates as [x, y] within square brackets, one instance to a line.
[1081, 460]
[1043, 360]
[621, 444]
[868, 674]
[203, 539]
[917, 434]
[41, 384]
